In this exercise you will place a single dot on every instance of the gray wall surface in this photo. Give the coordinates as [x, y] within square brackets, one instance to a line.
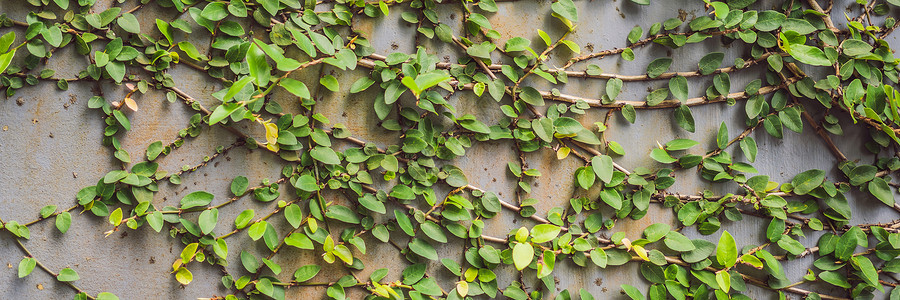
[50, 147]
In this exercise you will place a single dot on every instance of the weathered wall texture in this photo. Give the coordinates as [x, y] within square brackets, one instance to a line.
[50, 148]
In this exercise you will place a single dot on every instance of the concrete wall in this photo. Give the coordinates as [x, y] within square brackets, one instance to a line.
[50, 148]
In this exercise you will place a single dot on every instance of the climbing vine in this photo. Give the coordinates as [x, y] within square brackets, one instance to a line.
[819, 68]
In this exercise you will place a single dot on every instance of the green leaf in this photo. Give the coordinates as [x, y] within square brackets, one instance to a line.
[214, 11]
[257, 230]
[531, 96]
[67, 275]
[613, 87]
[660, 155]
[239, 185]
[296, 87]
[722, 136]
[678, 242]
[155, 220]
[223, 111]
[300, 241]
[293, 215]
[791, 245]
[6, 40]
[680, 144]
[835, 278]
[153, 150]
[330, 83]
[107, 295]
[807, 181]
[196, 199]
[208, 219]
[726, 251]
[428, 80]
[628, 113]
[343, 214]
[361, 85]
[402, 192]
[790, 117]
[862, 174]
[404, 222]
[434, 231]
[869, 273]
[191, 51]
[769, 20]
[722, 83]
[243, 219]
[231, 28]
[325, 155]
[306, 272]
[710, 62]
[748, 146]
[684, 118]
[879, 188]
[63, 221]
[611, 197]
[631, 291]
[259, 66]
[657, 96]
[603, 167]
[809, 55]
[523, 254]
[129, 23]
[656, 231]
[854, 47]
[122, 119]
[586, 177]
[628, 54]
[566, 9]
[542, 233]
[26, 266]
[517, 44]
[678, 85]
[658, 66]
[635, 34]
[474, 125]
[423, 249]
[6, 59]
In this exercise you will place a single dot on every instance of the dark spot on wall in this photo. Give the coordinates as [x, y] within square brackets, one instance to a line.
[598, 281]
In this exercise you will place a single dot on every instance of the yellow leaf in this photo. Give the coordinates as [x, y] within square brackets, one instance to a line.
[131, 104]
[184, 276]
[470, 274]
[313, 225]
[641, 252]
[380, 290]
[176, 265]
[328, 257]
[462, 287]
[563, 152]
[115, 217]
[271, 133]
[627, 243]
